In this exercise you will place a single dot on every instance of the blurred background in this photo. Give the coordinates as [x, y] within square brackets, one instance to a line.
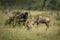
[49, 8]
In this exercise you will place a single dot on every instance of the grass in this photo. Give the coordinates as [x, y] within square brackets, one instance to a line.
[17, 33]
[20, 34]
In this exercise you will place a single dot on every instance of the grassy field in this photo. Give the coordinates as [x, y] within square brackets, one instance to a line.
[9, 33]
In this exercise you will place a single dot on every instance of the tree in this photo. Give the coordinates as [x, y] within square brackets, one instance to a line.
[43, 5]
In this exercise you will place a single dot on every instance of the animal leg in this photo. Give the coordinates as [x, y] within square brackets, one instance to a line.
[37, 25]
[47, 26]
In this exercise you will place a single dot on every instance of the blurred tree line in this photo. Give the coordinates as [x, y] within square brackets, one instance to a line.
[30, 4]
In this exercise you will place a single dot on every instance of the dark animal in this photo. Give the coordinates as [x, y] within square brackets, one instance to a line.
[17, 17]
[42, 19]
[23, 16]
[16, 13]
[10, 21]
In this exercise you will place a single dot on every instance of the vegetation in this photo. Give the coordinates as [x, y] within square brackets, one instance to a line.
[19, 33]
[30, 4]
[48, 8]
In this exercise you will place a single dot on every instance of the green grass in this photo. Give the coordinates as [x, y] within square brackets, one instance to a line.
[18, 33]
